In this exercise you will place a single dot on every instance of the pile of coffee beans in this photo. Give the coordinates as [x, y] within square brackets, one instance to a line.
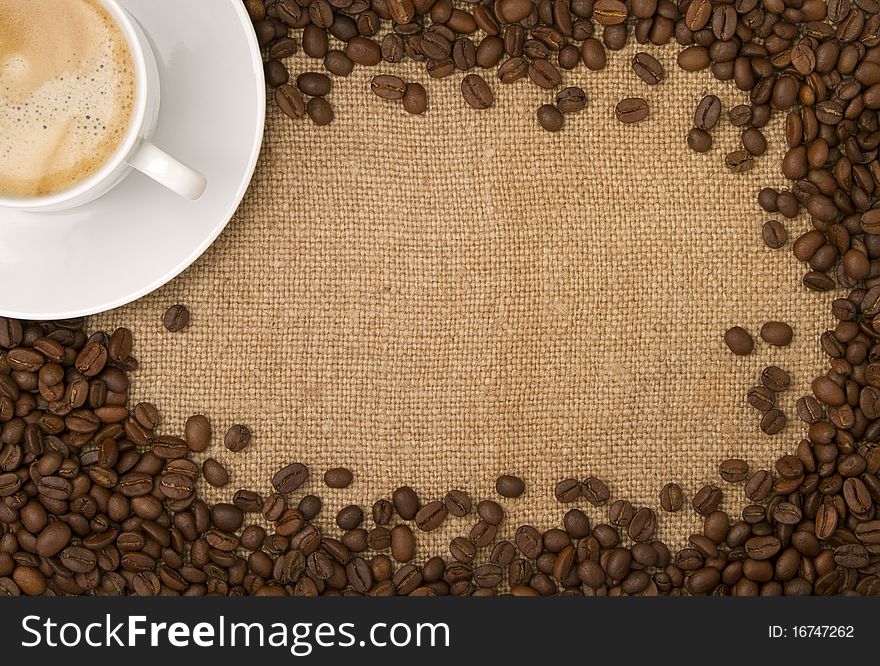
[96, 500]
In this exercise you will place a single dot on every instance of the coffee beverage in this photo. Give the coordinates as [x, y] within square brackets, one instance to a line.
[67, 92]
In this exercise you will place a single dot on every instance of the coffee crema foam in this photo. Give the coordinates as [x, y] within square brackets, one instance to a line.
[67, 92]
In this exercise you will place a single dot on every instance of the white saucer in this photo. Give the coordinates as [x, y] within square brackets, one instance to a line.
[140, 236]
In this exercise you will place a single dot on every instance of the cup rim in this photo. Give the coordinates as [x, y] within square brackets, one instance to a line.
[126, 26]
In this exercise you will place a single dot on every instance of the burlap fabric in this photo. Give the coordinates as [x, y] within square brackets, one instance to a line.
[437, 300]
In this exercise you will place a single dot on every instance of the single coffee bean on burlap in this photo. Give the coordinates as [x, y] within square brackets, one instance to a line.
[698, 140]
[387, 86]
[775, 378]
[237, 438]
[671, 497]
[707, 113]
[550, 118]
[739, 341]
[631, 110]
[511, 486]
[571, 100]
[648, 68]
[176, 318]
[476, 92]
[774, 234]
[415, 99]
[777, 333]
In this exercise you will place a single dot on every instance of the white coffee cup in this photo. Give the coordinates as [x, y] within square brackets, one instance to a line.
[135, 151]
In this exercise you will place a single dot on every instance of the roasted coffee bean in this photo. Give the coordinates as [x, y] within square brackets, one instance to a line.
[761, 398]
[388, 87]
[215, 473]
[648, 68]
[415, 98]
[338, 64]
[237, 438]
[543, 74]
[550, 118]
[320, 111]
[476, 92]
[290, 101]
[774, 234]
[431, 516]
[700, 141]
[571, 100]
[734, 470]
[406, 502]
[457, 502]
[707, 113]
[338, 477]
[176, 317]
[739, 161]
[507, 485]
[313, 84]
[775, 378]
[739, 341]
[642, 526]
[773, 421]
[289, 478]
[595, 491]
[632, 110]
[276, 75]
[707, 499]
[671, 497]
[568, 490]
[491, 512]
[777, 333]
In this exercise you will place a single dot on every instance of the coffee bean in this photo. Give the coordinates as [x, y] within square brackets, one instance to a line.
[632, 110]
[363, 51]
[777, 333]
[491, 512]
[642, 526]
[773, 422]
[543, 74]
[753, 141]
[388, 87]
[761, 398]
[457, 502]
[215, 473]
[734, 470]
[775, 378]
[774, 234]
[415, 98]
[176, 318]
[430, 516]
[338, 477]
[739, 341]
[290, 101]
[571, 100]
[739, 161]
[568, 490]
[289, 478]
[338, 64]
[671, 497]
[320, 111]
[648, 68]
[406, 502]
[707, 113]
[313, 84]
[700, 141]
[550, 118]
[593, 54]
[476, 92]
[706, 499]
[237, 438]
[595, 491]
[507, 485]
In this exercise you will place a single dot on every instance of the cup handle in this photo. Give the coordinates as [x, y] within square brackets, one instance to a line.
[167, 171]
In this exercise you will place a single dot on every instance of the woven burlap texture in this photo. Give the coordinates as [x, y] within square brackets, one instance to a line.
[437, 300]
